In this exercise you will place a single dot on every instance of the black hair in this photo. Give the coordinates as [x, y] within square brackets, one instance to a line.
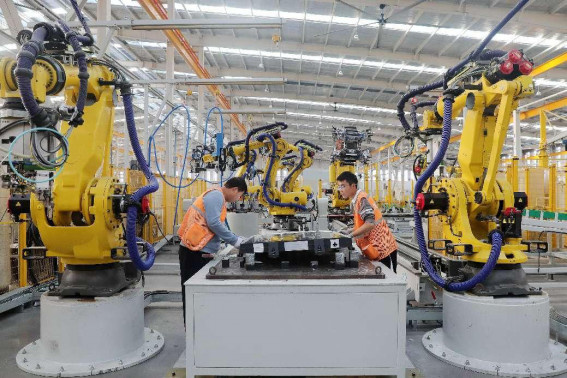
[348, 177]
[236, 182]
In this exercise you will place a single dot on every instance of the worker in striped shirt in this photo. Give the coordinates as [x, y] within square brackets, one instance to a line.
[371, 233]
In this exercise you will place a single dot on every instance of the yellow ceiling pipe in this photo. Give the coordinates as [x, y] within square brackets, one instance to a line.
[551, 106]
[553, 62]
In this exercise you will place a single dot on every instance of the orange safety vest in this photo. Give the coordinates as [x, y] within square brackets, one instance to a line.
[194, 231]
[379, 242]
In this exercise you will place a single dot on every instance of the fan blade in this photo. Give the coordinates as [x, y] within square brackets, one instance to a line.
[356, 8]
[419, 24]
[343, 29]
[396, 12]
[379, 35]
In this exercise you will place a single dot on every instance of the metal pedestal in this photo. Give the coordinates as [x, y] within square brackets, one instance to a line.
[501, 336]
[90, 336]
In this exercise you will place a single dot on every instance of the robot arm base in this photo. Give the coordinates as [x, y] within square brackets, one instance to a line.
[101, 280]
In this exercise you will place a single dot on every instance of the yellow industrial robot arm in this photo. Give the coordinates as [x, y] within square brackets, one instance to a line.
[278, 202]
[481, 216]
[479, 199]
[89, 145]
[477, 205]
[498, 100]
[307, 150]
[79, 210]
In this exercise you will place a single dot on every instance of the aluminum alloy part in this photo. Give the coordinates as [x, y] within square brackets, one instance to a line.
[244, 224]
[340, 258]
[249, 258]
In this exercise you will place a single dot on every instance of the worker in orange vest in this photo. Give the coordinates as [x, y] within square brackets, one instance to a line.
[204, 226]
[370, 231]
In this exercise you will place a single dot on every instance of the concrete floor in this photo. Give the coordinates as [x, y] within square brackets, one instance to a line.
[18, 328]
[428, 365]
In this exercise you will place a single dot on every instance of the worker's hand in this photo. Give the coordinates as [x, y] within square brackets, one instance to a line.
[238, 242]
[347, 232]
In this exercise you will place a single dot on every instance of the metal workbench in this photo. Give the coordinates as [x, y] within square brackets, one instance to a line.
[303, 327]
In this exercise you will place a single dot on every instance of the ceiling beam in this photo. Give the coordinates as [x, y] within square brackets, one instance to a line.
[221, 23]
[292, 77]
[387, 125]
[523, 115]
[325, 129]
[71, 15]
[380, 54]
[558, 104]
[471, 9]
[323, 79]
[268, 45]
[314, 131]
[11, 16]
[212, 81]
[291, 96]
[326, 119]
[559, 7]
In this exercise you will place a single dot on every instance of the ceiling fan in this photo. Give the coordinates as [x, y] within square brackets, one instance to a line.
[381, 21]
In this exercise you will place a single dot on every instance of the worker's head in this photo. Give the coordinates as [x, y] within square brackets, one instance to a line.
[347, 184]
[234, 188]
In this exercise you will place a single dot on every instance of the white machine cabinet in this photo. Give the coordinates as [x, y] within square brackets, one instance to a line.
[296, 327]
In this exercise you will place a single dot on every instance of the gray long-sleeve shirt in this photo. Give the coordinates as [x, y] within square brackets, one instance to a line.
[366, 211]
[213, 206]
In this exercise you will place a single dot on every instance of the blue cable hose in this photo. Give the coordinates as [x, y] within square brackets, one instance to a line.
[153, 186]
[295, 169]
[222, 130]
[152, 143]
[426, 261]
[207, 122]
[10, 149]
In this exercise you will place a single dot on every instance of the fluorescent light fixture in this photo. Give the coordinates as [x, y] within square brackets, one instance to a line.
[176, 73]
[333, 118]
[32, 14]
[551, 83]
[60, 11]
[329, 105]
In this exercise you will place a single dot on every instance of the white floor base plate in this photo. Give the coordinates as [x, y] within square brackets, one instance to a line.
[29, 359]
[554, 365]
